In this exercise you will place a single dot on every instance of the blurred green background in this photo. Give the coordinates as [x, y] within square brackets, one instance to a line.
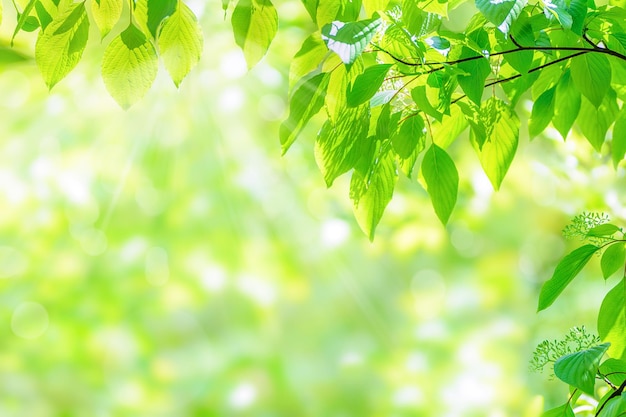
[167, 261]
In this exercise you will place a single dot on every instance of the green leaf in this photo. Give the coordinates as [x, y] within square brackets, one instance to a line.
[557, 9]
[322, 11]
[129, 66]
[307, 59]
[157, 11]
[543, 110]
[613, 259]
[612, 320]
[22, 18]
[420, 97]
[619, 138]
[336, 147]
[372, 189]
[614, 370]
[442, 181]
[106, 13]
[372, 6]
[255, 23]
[578, 10]
[595, 122]
[592, 76]
[606, 229]
[566, 104]
[61, 45]
[501, 13]
[306, 101]
[579, 369]
[450, 128]
[477, 70]
[615, 407]
[348, 40]
[564, 273]
[563, 411]
[501, 129]
[180, 43]
[42, 14]
[408, 142]
[367, 84]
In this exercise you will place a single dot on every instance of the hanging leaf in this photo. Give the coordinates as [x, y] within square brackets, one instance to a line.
[542, 112]
[442, 181]
[23, 18]
[255, 23]
[477, 70]
[564, 273]
[567, 101]
[594, 122]
[612, 320]
[306, 101]
[106, 13]
[129, 66]
[348, 40]
[618, 149]
[579, 369]
[408, 142]
[614, 370]
[371, 189]
[501, 130]
[61, 45]
[180, 43]
[309, 58]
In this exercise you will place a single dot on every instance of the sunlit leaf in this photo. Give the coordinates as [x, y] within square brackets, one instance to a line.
[579, 369]
[563, 411]
[615, 370]
[612, 320]
[307, 59]
[129, 66]
[594, 122]
[408, 142]
[61, 45]
[501, 13]
[306, 101]
[106, 13]
[180, 42]
[619, 138]
[255, 23]
[566, 104]
[22, 18]
[564, 273]
[542, 112]
[477, 70]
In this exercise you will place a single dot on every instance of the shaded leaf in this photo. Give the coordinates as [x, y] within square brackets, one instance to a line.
[595, 122]
[501, 13]
[106, 13]
[613, 259]
[477, 70]
[442, 181]
[367, 84]
[543, 110]
[566, 104]
[591, 74]
[408, 142]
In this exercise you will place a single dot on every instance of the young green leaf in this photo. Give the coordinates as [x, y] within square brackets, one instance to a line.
[496, 153]
[306, 101]
[348, 40]
[578, 10]
[612, 320]
[594, 122]
[501, 13]
[336, 149]
[310, 57]
[367, 84]
[420, 97]
[566, 104]
[565, 271]
[129, 66]
[180, 42]
[372, 190]
[563, 411]
[542, 112]
[442, 181]
[408, 142]
[606, 229]
[592, 76]
[106, 13]
[42, 14]
[579, 369]
[61, 45]
[22, 18]
[255, 23]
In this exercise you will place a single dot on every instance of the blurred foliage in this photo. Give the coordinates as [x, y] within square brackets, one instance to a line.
[166, 261]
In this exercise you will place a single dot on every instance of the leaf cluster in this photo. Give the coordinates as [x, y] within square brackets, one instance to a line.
[549, 351]
[165, 29]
